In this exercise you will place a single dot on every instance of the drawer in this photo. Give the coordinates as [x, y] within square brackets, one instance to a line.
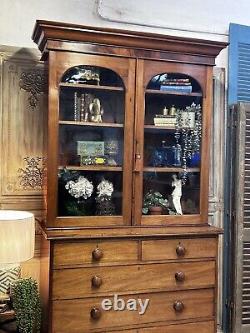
[81, 282]
[75, 315]
[125, 331]
[206, 327]
[77, 253]
[179, 248]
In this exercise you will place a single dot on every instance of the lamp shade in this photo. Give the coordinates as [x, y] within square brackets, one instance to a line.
[17, 236]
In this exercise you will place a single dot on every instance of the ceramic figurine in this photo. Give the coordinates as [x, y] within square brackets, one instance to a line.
[96, 111]
[176, 194]
[172, 111]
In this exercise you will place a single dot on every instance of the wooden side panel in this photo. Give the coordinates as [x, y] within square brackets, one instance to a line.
[45, 283]
[23, 95]
[217, 170]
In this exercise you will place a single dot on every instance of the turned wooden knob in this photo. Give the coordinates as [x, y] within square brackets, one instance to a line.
[97, 254]
[96, 281]
[95, 313]
[180, 250]
[179, 276]
[178, 306]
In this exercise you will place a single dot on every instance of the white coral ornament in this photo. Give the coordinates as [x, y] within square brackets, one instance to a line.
[82, 187]
[105, 188]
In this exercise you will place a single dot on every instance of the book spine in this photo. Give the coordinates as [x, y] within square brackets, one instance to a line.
[82, 107]
[187, 89]
[76, 108]
[177, 80]
[176, 84]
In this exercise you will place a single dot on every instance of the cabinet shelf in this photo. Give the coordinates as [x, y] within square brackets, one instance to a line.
[91, 124]
[91, 168]
[153, 127]
[161, 92]
[172, 128]
[89, 86]
[169, 169]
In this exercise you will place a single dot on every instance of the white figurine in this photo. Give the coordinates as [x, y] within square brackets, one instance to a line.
[176, 194]
[96, 111]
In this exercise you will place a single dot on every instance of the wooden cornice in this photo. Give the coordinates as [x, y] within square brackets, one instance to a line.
[46, 31]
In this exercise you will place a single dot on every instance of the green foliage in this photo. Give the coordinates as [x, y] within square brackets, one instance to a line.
[152, 199]
[75, 208]
[27, 305]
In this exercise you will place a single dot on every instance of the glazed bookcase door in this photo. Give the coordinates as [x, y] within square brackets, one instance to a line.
[172, 144]
[91, 116]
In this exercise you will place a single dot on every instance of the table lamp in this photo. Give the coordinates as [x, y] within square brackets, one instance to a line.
[17, 241]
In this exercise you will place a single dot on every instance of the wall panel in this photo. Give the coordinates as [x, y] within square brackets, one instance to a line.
[23, 96]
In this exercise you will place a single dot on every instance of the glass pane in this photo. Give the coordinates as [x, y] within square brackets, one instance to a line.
[92, 75]
[91, 124]
[172, 145]
[165, 194]
[94, 188]
[90, 146]
[91, 105]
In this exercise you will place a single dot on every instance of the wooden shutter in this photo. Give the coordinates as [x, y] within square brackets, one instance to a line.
[241, 217]
[237, 221]
[239, 64]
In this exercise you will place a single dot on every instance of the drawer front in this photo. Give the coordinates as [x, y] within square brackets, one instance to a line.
[206, 327]
[82, 282]
[77, 253]
[179, 248]
[74, 315]
[126, 331]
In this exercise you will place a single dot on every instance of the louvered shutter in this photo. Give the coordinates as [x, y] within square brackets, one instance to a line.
[239, 64]
[237, 225]
[241, 217]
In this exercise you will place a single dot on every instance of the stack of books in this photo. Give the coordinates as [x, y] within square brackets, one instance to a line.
[162, 120]
[176, 85]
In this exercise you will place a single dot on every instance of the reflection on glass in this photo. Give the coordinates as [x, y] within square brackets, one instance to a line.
[102, 146]
[91, 118]
[88, 193]
[170, 193]
[172, 142]
[92, 75]
[86, 105]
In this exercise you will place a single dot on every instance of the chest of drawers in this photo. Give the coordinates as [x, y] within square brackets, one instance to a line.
[176, 274]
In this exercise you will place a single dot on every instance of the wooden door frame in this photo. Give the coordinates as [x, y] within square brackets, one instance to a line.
[59, 62]
[203, 76]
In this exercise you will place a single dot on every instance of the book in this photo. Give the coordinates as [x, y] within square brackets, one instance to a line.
[176, 80]
[184, 89]
[164, 121]
[176, 83]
